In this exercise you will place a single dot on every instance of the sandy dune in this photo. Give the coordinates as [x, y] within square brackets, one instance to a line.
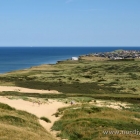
[26, 90]
[115, 105]
[46, 110]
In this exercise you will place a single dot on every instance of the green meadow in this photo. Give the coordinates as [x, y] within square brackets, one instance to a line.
[83, 81]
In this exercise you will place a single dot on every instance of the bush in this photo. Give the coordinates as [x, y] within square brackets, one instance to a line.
[45, 119]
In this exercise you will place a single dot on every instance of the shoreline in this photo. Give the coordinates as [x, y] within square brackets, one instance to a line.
[32, 66]
[48, 55]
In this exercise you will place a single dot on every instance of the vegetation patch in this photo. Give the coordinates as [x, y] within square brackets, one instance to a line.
[6, 107]
[45, 119]
[88, 122]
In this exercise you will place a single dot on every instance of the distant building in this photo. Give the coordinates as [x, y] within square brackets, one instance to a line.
[74, 58]
[116, 58]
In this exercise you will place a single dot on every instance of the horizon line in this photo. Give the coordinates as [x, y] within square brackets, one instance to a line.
[68, 46]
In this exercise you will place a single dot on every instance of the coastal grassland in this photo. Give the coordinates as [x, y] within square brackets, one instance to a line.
[83, 76]
[84, 81]
[87, 122]
[20, 125]
[130, 98]
[115, 80]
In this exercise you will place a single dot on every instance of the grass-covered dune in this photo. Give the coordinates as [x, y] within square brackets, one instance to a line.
[20, 125]
[88, 122]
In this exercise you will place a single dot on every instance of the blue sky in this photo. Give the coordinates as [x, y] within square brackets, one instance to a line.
[69, 23]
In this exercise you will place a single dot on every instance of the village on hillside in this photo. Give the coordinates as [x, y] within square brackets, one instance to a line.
[115, 55]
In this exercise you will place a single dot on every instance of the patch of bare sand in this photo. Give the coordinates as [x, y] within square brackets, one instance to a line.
[25, 90]
[46, 110]
[111, 104]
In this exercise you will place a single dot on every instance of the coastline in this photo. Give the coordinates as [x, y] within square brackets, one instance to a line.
[19, 58]
[86, 83]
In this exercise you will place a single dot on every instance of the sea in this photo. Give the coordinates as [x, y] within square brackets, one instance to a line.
[16, 58]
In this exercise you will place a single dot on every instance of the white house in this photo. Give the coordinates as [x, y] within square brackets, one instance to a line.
[74, 58]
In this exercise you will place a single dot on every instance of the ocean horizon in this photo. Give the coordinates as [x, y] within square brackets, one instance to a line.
[16, 58]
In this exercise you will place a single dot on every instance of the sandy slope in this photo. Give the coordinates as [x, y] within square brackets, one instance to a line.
[46, 110]
[26, 90]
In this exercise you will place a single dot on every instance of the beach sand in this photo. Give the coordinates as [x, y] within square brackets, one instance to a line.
[46, 110]
[25, 90]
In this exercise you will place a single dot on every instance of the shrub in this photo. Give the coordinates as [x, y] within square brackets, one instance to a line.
[45, 119]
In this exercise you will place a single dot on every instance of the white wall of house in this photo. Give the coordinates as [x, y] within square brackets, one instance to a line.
[74, 58]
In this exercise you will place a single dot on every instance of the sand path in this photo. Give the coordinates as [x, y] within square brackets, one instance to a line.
[46, 110]
[25, 90]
